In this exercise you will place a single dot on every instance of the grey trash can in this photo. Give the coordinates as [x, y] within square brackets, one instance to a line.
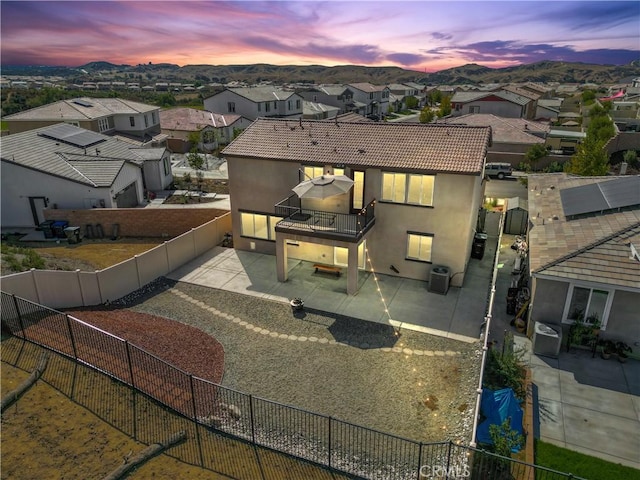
[73, 234]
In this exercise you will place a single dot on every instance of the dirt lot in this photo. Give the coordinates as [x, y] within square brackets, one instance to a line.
[46, 435]
[89, 255]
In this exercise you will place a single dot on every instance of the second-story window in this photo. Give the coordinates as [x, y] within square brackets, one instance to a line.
[259, 107]
[231, 107]
[267, 107]
[146, 121]
[103, 124]
[132, 121]
[297, 104]
[407, 188]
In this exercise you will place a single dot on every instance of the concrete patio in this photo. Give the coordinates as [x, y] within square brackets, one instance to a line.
[588, 405]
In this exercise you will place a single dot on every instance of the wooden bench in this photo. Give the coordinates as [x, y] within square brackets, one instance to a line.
[327, 268]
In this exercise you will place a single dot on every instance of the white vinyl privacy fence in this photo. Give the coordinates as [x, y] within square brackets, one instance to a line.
[63, 289]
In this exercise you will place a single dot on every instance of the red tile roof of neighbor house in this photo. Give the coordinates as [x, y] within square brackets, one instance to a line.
[400, 146]
[504, 130]
[191, 119]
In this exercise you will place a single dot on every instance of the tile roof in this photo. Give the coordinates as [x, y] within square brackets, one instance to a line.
[333, 89]
[191, 119]
[83, 108]
[262, 93]
[522, 92]
[590, 248]
[367, 87]
[32, 150]
[405, 146]
[504, 130]
[466, 97]
[351, 117]
[309, 108]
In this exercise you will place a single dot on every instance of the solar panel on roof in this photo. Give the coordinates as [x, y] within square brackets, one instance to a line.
[598, 197]
[72, 135]
[622, 192]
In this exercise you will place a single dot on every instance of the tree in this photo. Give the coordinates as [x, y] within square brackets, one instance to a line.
[588, 96]
[412, 103]
[630, 157]
[534, 154]
[435, 96]
[601, 127]
[504, 439]
[427, 115]
[166, 100]
[590, 159]
[445, 107]
[195, 159]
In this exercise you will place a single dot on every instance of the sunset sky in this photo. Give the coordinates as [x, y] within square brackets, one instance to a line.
[417, 35]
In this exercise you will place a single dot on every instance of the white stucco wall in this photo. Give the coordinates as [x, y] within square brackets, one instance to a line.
[19, 183]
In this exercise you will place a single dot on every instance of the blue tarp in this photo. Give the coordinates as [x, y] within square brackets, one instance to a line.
[496, 407]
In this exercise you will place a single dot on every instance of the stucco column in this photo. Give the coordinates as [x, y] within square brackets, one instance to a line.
[281, 257]
[352, 270]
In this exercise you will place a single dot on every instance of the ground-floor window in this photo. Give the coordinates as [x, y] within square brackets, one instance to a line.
[587, 304]
[258, 225]
[419, 246]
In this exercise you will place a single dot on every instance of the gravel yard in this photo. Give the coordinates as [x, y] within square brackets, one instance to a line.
[413, 385]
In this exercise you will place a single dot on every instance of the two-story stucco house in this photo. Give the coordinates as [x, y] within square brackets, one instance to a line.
[103, 115]
[337, 95]
[374, 97]
[584, 260]
[255, 102]
[63, 166]
[414, 201]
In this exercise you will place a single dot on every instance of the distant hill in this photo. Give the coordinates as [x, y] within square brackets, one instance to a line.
[467, 74]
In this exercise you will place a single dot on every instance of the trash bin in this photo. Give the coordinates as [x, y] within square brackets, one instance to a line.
[58, 228]
[72, 234]
[46, 228]
[477, 249]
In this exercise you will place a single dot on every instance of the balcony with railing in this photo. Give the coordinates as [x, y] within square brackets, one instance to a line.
[316, 223]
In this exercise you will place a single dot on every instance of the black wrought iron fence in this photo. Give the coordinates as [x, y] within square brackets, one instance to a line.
[328, 442]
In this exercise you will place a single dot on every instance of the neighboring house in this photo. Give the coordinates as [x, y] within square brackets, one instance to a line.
[405, 92]
[544, 91]
[501, 103]
[511, 137]
[548, 109]
[102, 115]
[318, 111]
[414, 203]
[156, 167]
[67, 167]
[564, 141]
[214, 129]
[374, 97]
[335, 95]
[584, 239]
[255, 102]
